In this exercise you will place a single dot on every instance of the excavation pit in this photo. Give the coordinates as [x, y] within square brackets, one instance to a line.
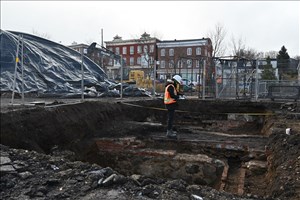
[221, 144]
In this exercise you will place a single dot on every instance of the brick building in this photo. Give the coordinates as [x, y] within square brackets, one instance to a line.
[137, 53]
[174, 56]
[184, 57]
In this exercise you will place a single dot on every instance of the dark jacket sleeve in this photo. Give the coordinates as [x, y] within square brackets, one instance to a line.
[172, 93]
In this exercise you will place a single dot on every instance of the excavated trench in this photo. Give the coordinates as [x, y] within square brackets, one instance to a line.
[221, 144]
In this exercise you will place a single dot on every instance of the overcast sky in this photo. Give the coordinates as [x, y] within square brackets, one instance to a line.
[264, 26]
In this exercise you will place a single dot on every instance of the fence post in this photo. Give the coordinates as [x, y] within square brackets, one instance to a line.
[121, 63]
[82, 77]
[22, 65]
[203, 81]
[256, 81]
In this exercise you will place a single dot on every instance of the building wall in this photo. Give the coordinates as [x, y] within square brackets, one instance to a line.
[184, 57]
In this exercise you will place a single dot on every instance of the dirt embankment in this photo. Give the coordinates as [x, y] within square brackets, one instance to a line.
[64, 133]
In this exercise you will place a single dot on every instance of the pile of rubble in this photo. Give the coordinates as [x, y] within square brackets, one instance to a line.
[31, 175]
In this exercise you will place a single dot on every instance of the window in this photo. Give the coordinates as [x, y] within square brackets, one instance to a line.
[189, 51]
[124, 60]
[151, 48]
[171, 52]
[189, 63]
[197, 63]
[131, 61]
[162, 64]
[145, 49]
[162, 52]
[171, 63]
[151, 59]
[110, 61]
[117, 50]
[131, 50]
[139, 49]
[138, 61]
[124, 50]
[198, 51]
[179, 64]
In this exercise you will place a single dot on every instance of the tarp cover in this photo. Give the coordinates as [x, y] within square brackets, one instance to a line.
[49, 67]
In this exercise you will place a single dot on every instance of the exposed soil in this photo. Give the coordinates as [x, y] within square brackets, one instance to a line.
[117, 149]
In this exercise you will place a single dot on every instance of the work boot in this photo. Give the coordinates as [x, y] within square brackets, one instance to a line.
[171, 134]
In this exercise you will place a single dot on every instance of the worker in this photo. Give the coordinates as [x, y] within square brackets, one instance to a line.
[170, 100]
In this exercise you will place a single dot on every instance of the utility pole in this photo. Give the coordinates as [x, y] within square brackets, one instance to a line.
[203, 81]
[154, 78]
[121, 62]
[102, 65]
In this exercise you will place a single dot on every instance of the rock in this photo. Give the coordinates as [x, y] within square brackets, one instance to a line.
[110, 180]
[52, 182]
[7, 169]
[196, 197]
[192, 168]
[25, 175]
[257, 167]
[4, 160]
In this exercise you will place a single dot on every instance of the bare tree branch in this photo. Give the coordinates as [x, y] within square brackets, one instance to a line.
[43, 35]
[217, 36]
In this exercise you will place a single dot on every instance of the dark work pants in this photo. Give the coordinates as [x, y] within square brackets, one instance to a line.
[171, 113]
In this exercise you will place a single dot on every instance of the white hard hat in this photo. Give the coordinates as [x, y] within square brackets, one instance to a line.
[178, 78]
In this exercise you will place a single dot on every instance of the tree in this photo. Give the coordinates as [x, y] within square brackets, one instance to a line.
[268, 72]
[238, 46]
[217, 37]
[283, 60]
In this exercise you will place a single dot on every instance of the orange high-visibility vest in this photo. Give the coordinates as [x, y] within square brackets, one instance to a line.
[167, 98]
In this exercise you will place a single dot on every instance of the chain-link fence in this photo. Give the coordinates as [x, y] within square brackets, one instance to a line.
[237, 79]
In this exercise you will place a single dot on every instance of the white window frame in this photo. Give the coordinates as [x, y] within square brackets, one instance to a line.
[189, 51]
[179, 63]
[162, 52]
[139, 49]
[151, 48]
[171, 52]
[145, 49]
[197, 63]
[162, 64]
[138, 61]
[189, 63]
[171, 63]
[117, 50]
[198, 51]
[131, 61]
[131, 50]
[124, 50]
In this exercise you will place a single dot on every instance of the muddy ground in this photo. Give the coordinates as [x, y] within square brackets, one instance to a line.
[117, 149]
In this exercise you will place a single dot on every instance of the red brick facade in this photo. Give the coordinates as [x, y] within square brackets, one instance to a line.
[174, 57]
